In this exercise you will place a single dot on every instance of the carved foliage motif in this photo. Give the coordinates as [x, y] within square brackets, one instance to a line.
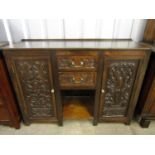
[120, 80]
[34, 79]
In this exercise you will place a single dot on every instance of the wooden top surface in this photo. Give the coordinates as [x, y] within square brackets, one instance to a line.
[151, 46]
[76, 44]
[3, 44]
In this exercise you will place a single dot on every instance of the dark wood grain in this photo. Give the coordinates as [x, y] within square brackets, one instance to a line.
[78, 44]
[57, 89]
[72, 80]
[121, 84]
[76, 39]
[9, 114]
[33, 81]
[98, 88]
[113, 69]
[77, 62]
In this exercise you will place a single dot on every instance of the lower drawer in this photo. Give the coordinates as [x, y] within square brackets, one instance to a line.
[77, 80]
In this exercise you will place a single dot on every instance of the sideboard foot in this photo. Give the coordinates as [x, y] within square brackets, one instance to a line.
[144, 123]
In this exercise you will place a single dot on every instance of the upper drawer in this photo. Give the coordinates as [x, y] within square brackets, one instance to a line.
[77, 59]
[77, 62]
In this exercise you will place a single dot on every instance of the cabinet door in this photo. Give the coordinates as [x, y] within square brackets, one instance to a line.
[33, 82]
[119, 84]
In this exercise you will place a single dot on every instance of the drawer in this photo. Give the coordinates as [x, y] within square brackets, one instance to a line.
[77, 79]
[77, 62]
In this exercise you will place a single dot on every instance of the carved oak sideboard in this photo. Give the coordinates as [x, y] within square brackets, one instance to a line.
[41, 69]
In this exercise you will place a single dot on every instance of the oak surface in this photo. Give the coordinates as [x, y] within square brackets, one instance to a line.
[113, 69]
[77, 44]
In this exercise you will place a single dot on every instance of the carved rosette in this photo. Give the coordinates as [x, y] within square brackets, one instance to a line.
[120, 80]
[34, 79]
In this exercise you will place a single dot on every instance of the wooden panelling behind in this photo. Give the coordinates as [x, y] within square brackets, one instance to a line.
[149, 34]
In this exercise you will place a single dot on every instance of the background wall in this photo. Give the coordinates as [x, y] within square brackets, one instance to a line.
[13, 30]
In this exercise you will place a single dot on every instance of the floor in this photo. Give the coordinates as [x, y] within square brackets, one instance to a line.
[77, 108]
[72, 127]
[78, 121]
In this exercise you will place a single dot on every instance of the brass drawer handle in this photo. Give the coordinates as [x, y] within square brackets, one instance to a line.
[74, 65]
[52, 91]
[102, 91]
[77, 81]
[82, 63]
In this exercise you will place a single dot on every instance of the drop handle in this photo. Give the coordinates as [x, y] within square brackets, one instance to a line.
[52, 91]
[81, 63]
[73, 63]
[102, 91]
[77, 81]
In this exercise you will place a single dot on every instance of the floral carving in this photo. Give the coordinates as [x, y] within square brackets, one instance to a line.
[120, 80]
[34, 79]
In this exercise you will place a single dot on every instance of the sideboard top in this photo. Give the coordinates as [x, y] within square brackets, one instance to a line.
[3, 44]
[76, 44]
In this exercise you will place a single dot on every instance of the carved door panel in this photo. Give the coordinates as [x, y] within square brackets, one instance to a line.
[119, 75]
[33, 82]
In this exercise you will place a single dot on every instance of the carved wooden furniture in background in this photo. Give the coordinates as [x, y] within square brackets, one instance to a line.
[41, 70]
[8, 109]
[149, 34]
[145, 110]
[146, 105]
